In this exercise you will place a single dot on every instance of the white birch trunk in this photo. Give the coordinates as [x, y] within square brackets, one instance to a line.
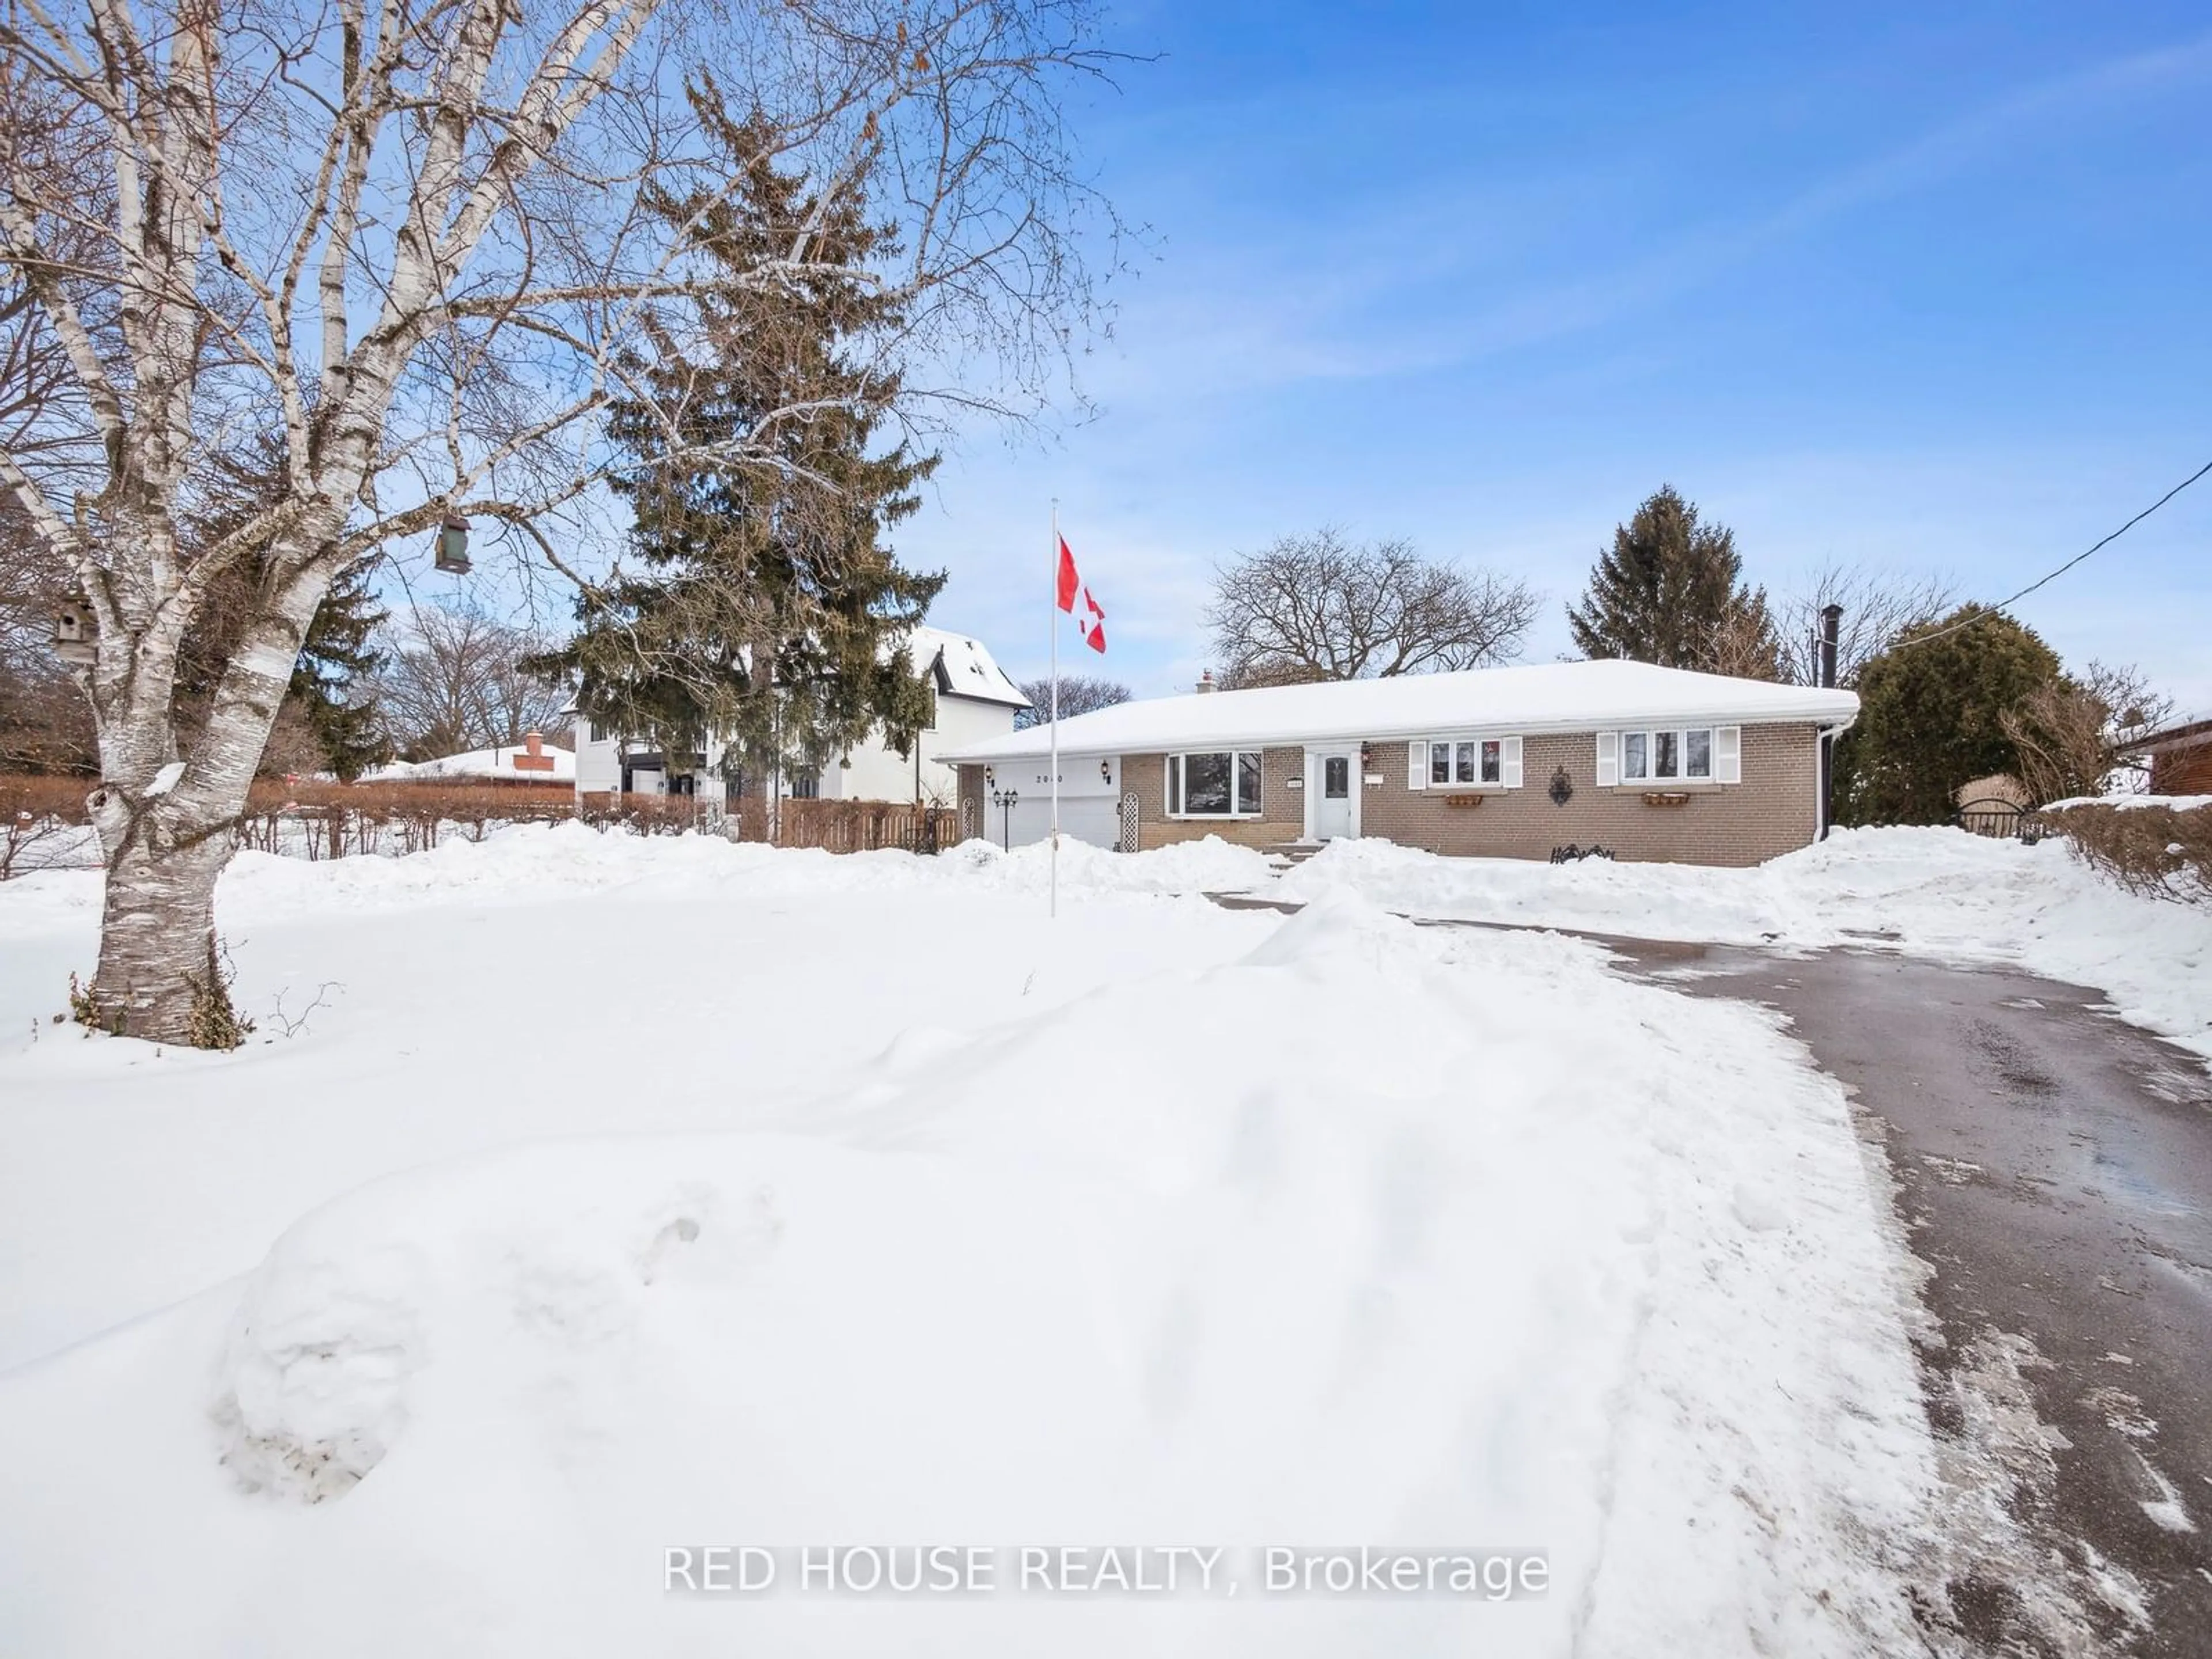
[160, 976]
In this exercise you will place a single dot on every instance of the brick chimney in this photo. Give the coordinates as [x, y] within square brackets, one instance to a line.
[532, 757]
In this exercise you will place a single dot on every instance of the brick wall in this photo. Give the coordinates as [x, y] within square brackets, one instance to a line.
[1771, 813]
[2183, 771]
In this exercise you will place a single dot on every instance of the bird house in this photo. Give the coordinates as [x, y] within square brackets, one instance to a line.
[454, 546]
[74, 634]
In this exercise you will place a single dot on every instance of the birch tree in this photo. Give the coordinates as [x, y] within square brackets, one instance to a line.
[401, 241]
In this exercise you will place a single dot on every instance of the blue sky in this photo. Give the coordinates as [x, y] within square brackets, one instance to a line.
[1922, 289]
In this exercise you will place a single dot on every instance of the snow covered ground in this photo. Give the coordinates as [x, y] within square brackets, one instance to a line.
[626, 1193]
[1934, 892]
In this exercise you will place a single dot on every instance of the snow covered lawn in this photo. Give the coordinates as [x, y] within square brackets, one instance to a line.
[1935, 892]
[637, 1193]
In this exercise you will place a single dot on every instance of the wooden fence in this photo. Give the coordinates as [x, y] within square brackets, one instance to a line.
[42, 818]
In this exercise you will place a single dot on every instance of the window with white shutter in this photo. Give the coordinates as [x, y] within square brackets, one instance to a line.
[1608, 759]
[1728, 754]
[1463, 763]
[1667, 755]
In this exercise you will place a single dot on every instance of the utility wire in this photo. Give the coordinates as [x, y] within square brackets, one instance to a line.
[1923, 639]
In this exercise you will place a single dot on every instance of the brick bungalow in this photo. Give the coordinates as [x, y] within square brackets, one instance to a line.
[1648, 762]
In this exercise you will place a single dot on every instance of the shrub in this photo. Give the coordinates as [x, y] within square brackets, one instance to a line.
[2154, 850]
[1931, 716]
[42, 823]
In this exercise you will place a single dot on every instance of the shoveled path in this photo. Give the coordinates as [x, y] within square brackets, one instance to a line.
[2054, 1171]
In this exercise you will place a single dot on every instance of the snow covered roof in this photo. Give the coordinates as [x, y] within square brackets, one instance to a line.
[1565, 696]
[2131, 802]
[480, 763]
[2181, 732]
[970, 670]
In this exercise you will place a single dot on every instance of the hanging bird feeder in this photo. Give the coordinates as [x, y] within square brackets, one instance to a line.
[73, 634]
[454, 546]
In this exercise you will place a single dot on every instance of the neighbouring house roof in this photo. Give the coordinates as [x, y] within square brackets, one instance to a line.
[964, 668]
[2131, 802]
[1566, 696]
[2182, 732]
[479, 763]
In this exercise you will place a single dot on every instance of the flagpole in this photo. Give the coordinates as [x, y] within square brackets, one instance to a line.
[1053, 858]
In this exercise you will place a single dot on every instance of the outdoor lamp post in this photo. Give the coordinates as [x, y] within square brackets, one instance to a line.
[1004, 799]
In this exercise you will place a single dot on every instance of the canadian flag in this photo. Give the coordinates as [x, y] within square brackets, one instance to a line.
[1075, 599]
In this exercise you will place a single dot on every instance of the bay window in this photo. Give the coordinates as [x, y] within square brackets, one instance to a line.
[1214, 784]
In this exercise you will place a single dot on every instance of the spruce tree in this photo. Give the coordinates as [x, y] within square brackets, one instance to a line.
[1669, 591]
[761, 605]
[336, 659]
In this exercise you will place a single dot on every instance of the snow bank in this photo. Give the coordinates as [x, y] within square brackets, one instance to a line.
[531, 863]
[1936, 892]
[1353, 1232]
[550, 980]
[1207, 865]
[536, 863]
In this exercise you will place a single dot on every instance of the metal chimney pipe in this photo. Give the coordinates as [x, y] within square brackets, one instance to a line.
[1831, 619]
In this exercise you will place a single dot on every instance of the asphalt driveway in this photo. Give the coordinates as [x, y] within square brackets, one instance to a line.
[2053, 1173]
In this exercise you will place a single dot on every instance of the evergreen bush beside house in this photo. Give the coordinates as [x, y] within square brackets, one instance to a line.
[1932, 715]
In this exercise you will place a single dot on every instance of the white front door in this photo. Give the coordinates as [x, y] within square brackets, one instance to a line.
[1335, 807]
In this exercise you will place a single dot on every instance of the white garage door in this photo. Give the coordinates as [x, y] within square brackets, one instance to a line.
[1093, 819]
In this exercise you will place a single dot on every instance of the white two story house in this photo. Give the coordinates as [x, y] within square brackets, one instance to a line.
[975, 702]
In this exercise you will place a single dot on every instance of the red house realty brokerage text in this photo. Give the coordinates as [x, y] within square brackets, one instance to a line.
[955, 1571]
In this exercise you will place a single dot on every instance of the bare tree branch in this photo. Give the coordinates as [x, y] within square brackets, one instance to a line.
[1316, 607]
[1877, 607]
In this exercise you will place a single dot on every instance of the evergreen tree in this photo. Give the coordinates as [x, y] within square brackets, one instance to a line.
[337, 729]
[1932, 713]
[764, 606]
[1669, 591]
[336, 659]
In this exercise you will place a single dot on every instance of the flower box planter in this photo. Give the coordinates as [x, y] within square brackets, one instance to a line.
[1665, 798]
[1463, 800]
